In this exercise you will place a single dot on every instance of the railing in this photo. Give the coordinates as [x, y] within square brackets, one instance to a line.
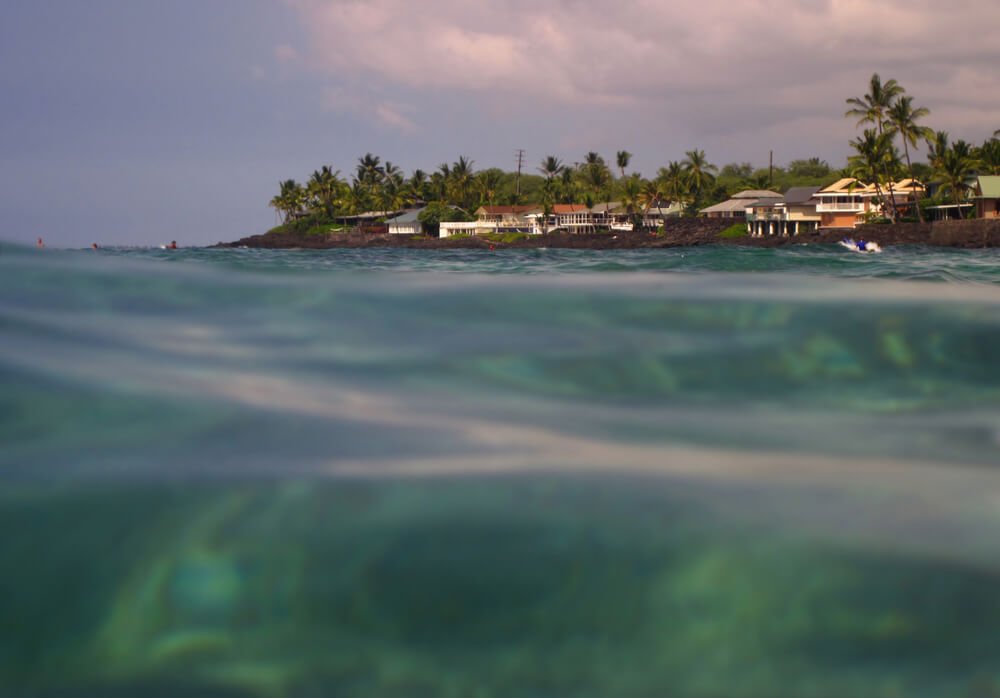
[847, 206]
[447, 229]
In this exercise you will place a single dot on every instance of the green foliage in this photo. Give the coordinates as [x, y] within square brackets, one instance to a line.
[736, 230]
[505, 237]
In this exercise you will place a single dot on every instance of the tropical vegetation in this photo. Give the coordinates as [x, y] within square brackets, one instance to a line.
[891, 128]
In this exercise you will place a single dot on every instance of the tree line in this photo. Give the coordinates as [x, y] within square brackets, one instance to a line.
[890, 116]
[455, 190]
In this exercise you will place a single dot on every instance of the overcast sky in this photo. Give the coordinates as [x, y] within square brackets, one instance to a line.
[141, 121]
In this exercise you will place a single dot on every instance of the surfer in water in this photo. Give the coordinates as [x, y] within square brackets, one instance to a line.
[862, 247]
[172, 245]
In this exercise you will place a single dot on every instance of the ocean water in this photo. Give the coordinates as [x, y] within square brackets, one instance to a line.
[698, 473]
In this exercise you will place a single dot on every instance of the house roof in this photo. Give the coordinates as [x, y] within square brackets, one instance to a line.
[730, 205]
[569, 208]
[800, 195]
[989, 187]
[501, 210]
[847, 185]
[604, 207]
[409, 216]
[756, 194]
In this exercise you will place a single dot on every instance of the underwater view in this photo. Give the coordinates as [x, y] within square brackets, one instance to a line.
[693, 472]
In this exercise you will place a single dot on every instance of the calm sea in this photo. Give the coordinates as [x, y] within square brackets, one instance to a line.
[697, 473]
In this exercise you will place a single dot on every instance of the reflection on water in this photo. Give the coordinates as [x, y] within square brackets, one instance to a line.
[237, 474]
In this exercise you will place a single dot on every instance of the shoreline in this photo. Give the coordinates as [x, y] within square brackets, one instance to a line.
[691, 232]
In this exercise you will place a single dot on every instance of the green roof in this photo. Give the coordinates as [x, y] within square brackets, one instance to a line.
[989, 187]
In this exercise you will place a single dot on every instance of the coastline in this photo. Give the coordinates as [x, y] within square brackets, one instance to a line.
[684, 232]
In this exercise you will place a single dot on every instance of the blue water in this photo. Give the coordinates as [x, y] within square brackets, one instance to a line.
[696, 472]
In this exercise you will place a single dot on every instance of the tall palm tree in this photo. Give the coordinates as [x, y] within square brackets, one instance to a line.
[873, 107]
[595, 173]
[623, 158]
[903, 116]
[461, 178]
[699, 172]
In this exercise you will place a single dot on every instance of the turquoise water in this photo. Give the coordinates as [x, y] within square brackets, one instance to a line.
[700, 472]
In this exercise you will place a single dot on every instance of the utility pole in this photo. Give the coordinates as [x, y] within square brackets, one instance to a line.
[517, 181]
[770, 168]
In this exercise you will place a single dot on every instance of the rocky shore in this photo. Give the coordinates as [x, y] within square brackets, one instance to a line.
[684, 232]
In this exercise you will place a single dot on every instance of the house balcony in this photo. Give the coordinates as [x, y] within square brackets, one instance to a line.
[841, 207]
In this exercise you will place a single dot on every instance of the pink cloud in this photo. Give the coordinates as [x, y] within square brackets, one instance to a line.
[711, 54]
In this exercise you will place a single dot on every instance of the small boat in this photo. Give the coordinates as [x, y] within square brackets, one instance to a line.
[860, 245]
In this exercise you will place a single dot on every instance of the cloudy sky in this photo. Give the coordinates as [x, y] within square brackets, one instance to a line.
[140, 121]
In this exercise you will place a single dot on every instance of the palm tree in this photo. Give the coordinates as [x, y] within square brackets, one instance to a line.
[989, 156]
[357, 198]
[418, 183]
[567, 186]
[551, 167]
[324, 188]
[631, 191]
[699, 172]
[652, 192]
[953, 172]
[873, 162]
[370, 170]
[461, 178]
[488, 182]
[595, 173]
[937, 146]
[290, 199]
[623, 158]
[675, 182]
[903, 117]
[873, 107]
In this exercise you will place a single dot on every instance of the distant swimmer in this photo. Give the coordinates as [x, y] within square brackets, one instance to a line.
[94, 246]
[40, 243]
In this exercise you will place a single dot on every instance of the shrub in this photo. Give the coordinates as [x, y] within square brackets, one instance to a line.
[736, 230]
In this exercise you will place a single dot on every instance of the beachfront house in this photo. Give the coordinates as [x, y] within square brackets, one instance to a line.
[986, 192]
[737, 205]
[504, 219]
[846, 202]
[658, 212]
[572, 218]
[406, 223]
[793, 214]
